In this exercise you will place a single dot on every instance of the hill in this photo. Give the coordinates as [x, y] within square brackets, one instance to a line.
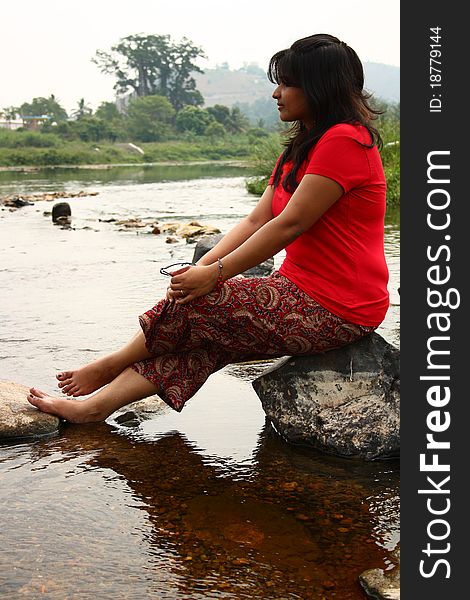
[249, 85]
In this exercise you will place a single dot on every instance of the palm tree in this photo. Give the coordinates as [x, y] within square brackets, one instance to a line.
[9, 113]
[83, 110]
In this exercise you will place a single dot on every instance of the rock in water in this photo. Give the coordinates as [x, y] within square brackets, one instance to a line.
[18, 418]
[207, 242]
[345, 401]
[383, 585]
[61, 210]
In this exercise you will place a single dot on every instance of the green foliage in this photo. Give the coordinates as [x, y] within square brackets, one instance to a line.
[27, 139]
[238, 121]
[154, 65]
[43, 106]
[9, 113]
[388, 125]
[201, 148]
[65, 153]
[91, 129]
[150, 118]
[215, 130]
[83, 110]
[107, 111]
[220, 113]
[256, 185]
[264, 154]
[193, 119]
[233, 120]
[256, 133]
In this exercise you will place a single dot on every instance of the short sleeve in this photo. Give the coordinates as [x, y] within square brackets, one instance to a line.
[340, 156]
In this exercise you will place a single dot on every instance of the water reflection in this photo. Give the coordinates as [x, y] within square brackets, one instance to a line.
[156, 517]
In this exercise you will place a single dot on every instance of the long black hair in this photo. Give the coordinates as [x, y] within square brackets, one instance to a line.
[331, 75]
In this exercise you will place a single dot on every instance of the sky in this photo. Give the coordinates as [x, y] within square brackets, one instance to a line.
[46, 46]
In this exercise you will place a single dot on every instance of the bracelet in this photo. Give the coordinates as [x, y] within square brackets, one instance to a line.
[221, 266]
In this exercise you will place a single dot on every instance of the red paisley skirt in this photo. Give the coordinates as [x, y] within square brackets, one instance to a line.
[243, 319]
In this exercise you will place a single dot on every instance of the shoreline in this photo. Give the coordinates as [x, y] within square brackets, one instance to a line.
[107, 166]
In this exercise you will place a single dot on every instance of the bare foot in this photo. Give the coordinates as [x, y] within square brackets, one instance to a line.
[89, 378]
[74, 411]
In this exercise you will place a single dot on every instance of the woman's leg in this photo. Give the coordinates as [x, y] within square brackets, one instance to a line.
[127, 387]
[98, 373]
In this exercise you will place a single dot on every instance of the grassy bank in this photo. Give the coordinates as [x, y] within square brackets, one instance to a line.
[39, 149]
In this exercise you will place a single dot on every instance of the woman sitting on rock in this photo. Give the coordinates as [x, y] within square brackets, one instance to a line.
[325, 204]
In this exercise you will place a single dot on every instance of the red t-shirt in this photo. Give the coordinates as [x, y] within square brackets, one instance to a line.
[340, 260]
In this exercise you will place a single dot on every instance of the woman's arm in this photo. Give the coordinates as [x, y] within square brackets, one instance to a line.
[260, 215]
[312, 198]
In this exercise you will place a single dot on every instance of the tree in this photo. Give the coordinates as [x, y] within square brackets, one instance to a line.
[220, 113]
[91, 129]
[9, 113]
[154, 65]
[193, 119]
[215, 131]
[83, 110]
[150, 118]
[238, 121]
[108, 111]
[44, 107]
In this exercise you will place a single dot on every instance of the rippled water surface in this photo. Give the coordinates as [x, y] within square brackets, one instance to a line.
[208, 503]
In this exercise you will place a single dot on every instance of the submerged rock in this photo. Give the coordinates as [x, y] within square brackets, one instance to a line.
[383, 585]
[18, 418]
[207, 242]
[344, 402]
[136, 412]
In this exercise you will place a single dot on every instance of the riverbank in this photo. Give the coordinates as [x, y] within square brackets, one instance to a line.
[42, 150]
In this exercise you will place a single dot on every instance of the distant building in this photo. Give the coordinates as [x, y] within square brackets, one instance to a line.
[33, 122]
[28, 122]
[11, 124]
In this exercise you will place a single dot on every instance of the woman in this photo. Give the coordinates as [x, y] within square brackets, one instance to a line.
[325, 204]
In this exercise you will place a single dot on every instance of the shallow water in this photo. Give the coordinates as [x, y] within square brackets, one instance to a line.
[208, 503]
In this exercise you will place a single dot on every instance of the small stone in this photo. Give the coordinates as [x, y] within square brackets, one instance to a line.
[240, 561]
[290, 485]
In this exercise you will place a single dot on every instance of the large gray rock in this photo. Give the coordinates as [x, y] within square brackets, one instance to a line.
[18, 418]
[383, 585]
[207, 242]
[344, 402]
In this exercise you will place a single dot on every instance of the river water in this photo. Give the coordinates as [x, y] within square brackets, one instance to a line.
[208, 503]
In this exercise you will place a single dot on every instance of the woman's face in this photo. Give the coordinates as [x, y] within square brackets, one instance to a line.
[292, 104]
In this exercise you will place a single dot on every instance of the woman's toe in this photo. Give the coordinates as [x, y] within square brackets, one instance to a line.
[64, 375]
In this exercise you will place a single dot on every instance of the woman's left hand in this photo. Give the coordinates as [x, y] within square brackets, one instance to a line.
[191, 282]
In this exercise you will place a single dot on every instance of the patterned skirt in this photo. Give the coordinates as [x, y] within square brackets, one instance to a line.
[243, 319]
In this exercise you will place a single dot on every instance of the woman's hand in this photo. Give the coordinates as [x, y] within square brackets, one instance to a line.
[191, 282]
